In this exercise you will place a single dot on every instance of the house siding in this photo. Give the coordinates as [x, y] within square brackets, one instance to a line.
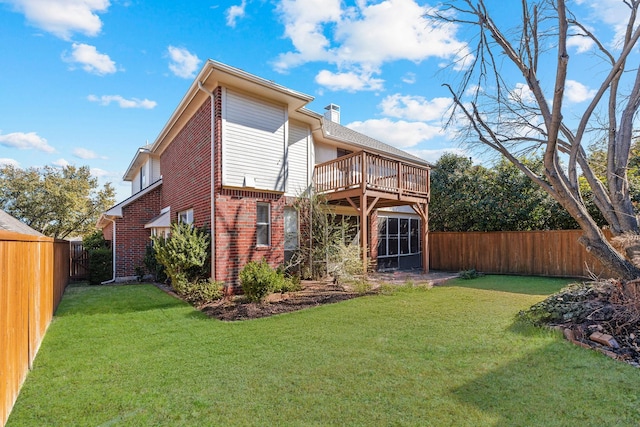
[236, 232]
[298, 159]
[188, 158]
[254, 133]
[235, 225]
[131, 236]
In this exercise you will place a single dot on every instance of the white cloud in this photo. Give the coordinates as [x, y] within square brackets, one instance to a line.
[350, 81]
[183, 63]
[26, 141]
[415, 107]
[522, 93]
[581, 43]
[433, 155]
[91, 60]
[613, 13]
[9, 162]
[123, 102]
[63, 17]
[235, 12]
[60, 163]
[364, 36]
[104, 174]
[83, 153]
[577, 92]
[401, 134]
[409, 78]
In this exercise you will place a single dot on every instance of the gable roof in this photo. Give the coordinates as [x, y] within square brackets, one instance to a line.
[215, 73]
[116, 210]
[350, 136]
[9, 223]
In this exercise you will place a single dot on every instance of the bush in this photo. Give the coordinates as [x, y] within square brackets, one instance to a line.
[184, 253]
[469, 274]
[185, 258]
[258, 280]
[202, 291]
[100, 258]
[100, 265]
[155, 268]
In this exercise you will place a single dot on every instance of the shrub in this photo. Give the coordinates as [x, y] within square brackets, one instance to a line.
[100, 265]
[185, 253]
[258, 280]
[100, 258]
[469, 274]
[155, 268]
[185, 258]
[202, 291]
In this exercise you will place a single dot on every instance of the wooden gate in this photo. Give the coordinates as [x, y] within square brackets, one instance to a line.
[79, 262]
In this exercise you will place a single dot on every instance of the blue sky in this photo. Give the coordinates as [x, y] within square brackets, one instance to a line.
[87, 82]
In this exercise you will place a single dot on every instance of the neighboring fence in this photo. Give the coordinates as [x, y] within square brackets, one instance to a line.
[543, 253]
[34, 272]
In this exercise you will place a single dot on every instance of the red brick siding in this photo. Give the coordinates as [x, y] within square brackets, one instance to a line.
[186, 169]
[131, 236]
[235, 235]
[373, 239]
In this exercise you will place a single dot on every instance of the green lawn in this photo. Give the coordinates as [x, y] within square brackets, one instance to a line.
[449, 356]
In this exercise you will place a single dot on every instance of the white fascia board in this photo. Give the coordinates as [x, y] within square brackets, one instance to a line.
[116, 211]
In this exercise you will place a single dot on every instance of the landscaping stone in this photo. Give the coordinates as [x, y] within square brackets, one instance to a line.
[604, 339]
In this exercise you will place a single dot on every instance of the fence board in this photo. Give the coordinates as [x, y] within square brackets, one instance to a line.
[34, 272]
[554, 253]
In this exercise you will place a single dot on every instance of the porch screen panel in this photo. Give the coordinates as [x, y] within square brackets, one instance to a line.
[414, 235]
[382, 236]
[404, 236]
[393, 236]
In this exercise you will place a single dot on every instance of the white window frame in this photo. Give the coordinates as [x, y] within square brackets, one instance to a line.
[263, 224]
[143, 177]
[186, 216]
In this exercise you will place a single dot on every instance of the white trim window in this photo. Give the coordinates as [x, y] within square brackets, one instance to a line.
[186, 216]
[263, 224]
[291, 233]
[143, 177]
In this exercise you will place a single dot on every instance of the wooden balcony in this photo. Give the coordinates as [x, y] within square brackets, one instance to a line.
[367, 181]
[392, 182]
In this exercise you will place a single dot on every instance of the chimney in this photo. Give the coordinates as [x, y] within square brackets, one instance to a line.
[332, 113]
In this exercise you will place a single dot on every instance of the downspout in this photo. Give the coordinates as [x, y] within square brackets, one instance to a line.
[113, 253]
[213, 180]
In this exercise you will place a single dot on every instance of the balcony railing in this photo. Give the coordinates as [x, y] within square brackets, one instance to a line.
[380, 174]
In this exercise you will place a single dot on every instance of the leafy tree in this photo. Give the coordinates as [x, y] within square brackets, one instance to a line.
[56, 202]
[467, 197]
[513, 118]
[457, 188]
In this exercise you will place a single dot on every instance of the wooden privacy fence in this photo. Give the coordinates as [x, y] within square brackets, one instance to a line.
[542, 253]
[34, 272]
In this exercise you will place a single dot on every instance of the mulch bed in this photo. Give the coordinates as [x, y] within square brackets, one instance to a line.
[237, 307]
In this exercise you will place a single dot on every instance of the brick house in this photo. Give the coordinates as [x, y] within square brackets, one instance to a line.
[236, 153]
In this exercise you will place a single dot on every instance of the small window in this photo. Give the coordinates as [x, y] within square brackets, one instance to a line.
[263, 224]
[341, 152]
[186, 216]
[143, 177]
[290, 229]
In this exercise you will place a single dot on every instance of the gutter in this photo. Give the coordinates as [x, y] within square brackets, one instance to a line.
[213, 180]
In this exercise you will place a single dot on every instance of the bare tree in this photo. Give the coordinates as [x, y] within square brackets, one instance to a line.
[517, 119]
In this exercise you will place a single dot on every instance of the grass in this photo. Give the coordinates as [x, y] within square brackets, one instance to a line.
[451, 355]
